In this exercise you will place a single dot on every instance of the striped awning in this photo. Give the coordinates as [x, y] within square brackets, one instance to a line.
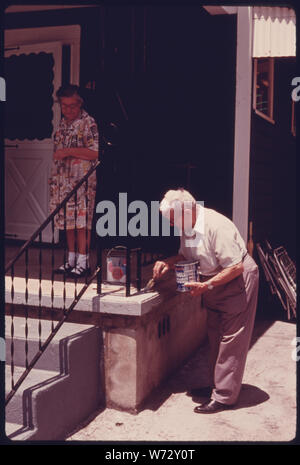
[274, 32]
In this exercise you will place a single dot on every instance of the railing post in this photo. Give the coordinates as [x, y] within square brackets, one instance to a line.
[99, 264]
[138, 269]
[26, 307]
[128, 271]
[52, 274]
[76, 243]
[65, 258]
[87, 239]
[40, 291]
[12, 328]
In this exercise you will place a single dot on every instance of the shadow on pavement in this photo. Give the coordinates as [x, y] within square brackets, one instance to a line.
[260, 327]
[250, 396]
[194, 373]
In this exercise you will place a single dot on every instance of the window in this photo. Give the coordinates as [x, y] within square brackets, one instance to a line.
[29, 112]
[263, 92]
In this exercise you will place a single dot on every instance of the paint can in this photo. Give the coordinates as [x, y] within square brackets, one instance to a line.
[116, 265]
[185, 271]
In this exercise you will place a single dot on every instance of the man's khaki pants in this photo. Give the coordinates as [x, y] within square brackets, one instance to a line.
[231, 312]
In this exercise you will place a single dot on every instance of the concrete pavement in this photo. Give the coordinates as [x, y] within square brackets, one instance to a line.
[266, 409]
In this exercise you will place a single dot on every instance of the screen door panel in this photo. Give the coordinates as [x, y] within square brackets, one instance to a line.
[33, 74]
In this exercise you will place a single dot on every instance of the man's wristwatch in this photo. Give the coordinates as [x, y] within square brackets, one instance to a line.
[209, 285]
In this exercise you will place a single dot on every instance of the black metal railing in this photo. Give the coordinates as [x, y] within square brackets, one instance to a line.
[24, 253]
[42, 346]
[142, 259]
[128, 251]
[50, 218]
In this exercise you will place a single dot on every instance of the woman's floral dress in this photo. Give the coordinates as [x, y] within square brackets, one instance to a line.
[65, 173]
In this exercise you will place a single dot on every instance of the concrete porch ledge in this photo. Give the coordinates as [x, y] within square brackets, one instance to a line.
[146, 336]
[136, 304]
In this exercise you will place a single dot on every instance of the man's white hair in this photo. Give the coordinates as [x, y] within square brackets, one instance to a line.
[174, 199]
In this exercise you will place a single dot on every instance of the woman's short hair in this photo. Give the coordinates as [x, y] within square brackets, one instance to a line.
[69, 90]
[176, 198]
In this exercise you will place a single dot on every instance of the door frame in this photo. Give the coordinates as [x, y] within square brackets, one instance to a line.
[65, 35]
[16, 149]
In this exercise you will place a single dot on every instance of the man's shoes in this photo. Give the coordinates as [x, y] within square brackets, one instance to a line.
[79, 272]
[212, 406]
[204, 391]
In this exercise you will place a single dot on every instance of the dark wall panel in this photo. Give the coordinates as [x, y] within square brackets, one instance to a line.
[273, 167]
[165, 75]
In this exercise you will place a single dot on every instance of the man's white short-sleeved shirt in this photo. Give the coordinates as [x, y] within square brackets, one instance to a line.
[217, 243]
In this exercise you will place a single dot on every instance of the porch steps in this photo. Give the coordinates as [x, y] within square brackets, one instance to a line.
[18, 411]
[34, 286]
[11, 428]
[63, 389]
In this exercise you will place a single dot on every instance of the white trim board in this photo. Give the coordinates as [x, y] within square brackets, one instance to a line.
[243, 105]
[220, 10]
[27, 8]
[242, 132]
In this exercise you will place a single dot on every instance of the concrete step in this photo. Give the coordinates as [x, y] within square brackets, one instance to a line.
[20, 432]
[51, 402]
[52, 358]
[17, 410]
[71, 290]
[11, 428]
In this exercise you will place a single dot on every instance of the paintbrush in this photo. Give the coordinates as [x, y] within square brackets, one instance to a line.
[150, 284]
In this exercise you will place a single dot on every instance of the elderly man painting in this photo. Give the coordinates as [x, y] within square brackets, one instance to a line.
[229, 285]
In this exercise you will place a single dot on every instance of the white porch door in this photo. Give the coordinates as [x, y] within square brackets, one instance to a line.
[33, 75]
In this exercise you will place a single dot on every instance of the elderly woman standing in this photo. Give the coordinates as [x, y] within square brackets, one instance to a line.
[76, 144]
